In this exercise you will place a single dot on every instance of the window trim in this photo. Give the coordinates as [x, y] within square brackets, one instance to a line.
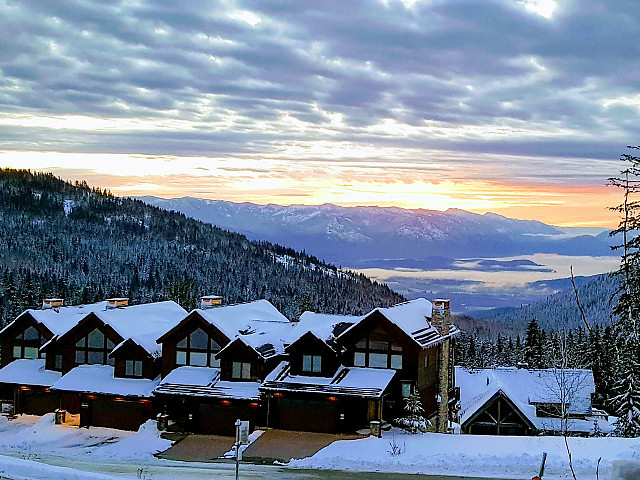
[392, 351]
[243, 375]
[210, 351]
[21, 343]
[82, 347]
[315, 363]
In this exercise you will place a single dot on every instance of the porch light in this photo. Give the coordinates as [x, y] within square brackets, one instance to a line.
[332, 399]
[226, 403]
[278, 395]
[254, 404]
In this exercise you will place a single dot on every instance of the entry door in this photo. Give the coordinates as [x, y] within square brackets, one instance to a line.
[85, 414]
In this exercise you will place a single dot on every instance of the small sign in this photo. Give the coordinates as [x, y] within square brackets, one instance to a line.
[6, 408]
[244, 432]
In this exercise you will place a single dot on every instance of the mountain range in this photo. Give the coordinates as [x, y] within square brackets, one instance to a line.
[354, 236]
[71, 241]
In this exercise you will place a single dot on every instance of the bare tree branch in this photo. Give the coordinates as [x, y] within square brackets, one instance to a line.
[575, 290]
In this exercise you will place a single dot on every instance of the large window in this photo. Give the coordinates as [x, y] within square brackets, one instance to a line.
[28, 343]
[197, 349]
[312, 363]
[94, 349]
[241, 370]
[377, 352]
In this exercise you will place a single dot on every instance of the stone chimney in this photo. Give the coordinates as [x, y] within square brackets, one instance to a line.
[210, 301]
[117, 302]
[440, 315]
[52, 302]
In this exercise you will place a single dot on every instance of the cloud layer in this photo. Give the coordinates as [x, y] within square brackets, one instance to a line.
[529, 92]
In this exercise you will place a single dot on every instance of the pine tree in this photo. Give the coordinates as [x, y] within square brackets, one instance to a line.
[627, 404]
[533, 345]
[414, 420]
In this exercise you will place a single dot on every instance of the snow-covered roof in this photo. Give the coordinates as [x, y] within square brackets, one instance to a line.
[414, 318]
[258, 324]
[100, 379]
[205, 382]
[28, 372]
[347, 381]
[324, 326]
[60, 320]
[143, 323]
[526, 388]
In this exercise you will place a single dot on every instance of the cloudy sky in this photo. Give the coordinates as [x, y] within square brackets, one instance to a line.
[521, 107]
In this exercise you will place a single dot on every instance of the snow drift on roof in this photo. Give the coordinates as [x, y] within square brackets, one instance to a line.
[258, 324]
[205, 382]
[100, 379]
[25, 371]
[324, 326]
[347, 381]
[60, 320]
[144, 323]
[414, 318]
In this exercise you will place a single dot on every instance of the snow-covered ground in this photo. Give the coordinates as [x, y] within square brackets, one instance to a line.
[34, 448]
[474, 455]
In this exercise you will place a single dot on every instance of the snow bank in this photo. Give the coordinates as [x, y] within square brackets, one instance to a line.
[140, 445]
[19, 468]
[471, 455]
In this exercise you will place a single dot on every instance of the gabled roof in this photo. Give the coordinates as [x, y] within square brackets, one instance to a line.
[348, 381]
[143, 323]
[25, 371]
[525, 388]
[414, 319]
[100, 379]
[258, 325]
[205, 382]
[323, 326]
[60, 320]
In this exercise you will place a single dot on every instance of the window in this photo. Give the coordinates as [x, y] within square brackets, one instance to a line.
[406, 389]
[133, 368]
[376, 351]
[241, 370]
[94, 348]
[312, 363]
[197, 349]
[28, 343]
[58, 362]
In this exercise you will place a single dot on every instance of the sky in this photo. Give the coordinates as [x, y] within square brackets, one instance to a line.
[520, 107]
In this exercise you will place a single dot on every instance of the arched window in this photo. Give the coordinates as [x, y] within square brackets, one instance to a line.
[197, 349]
[94, 348]
[28, 343]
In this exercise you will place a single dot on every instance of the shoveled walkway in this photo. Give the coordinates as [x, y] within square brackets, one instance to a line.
[283, 445]
[198, 448]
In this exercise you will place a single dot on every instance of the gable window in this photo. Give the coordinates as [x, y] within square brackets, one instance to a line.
[27, 344]
[241, 370]
[312, 363]
[94, 348]
[133, 368]
[376, 352]
[197, 349]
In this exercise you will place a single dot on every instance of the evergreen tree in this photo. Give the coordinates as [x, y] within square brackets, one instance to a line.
[414, 420]
[627, 404]
[533, 345]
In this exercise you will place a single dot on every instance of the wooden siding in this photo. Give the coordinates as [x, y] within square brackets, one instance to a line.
[8, 337]
[309, 344]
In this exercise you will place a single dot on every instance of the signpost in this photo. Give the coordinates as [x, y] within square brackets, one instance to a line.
[242, 438]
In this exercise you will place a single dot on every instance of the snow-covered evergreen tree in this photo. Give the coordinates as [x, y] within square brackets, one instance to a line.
[414, 420]
[627, 404]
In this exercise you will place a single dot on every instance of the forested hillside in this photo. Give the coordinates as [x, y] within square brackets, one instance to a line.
[560, 311]
[83, 244]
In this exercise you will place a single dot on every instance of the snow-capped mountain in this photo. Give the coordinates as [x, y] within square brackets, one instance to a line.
[352, 235]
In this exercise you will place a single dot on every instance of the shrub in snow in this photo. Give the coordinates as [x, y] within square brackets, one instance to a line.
[395, 448]
[414, 420]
